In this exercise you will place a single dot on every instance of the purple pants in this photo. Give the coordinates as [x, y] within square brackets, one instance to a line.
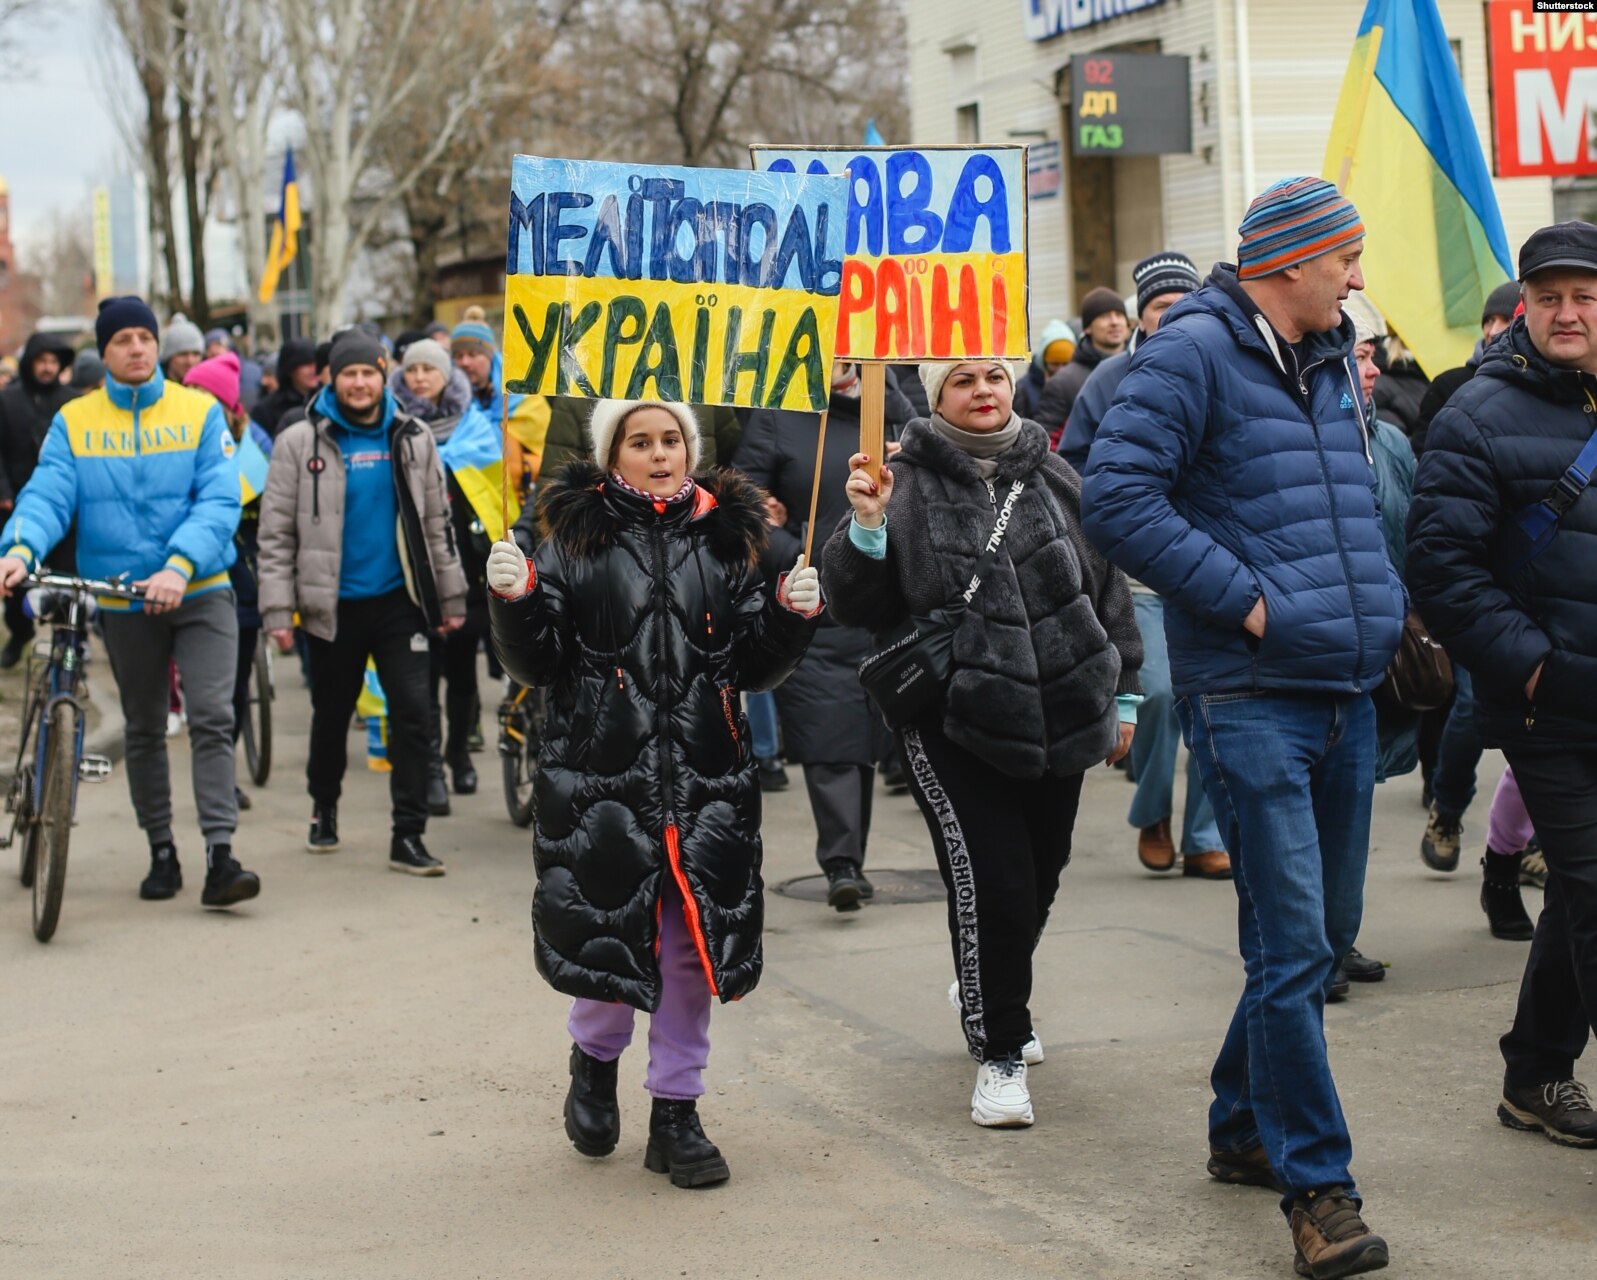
[1509, 828]
[679, 1030]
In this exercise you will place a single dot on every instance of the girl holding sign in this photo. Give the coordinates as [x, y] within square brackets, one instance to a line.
[1047, 642]
[645, 614]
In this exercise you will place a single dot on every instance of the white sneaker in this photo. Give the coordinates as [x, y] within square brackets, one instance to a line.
[1031, 1051]
[1001, 1099]
[174, 723]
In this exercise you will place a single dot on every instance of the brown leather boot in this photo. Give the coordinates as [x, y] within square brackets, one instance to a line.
[1212, 864]
[1331, 1237]
[1156, 848]
[1250, 1168]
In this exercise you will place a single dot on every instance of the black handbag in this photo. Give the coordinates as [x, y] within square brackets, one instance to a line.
[908, 675]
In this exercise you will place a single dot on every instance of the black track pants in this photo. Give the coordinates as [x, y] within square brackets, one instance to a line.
[1001, 844]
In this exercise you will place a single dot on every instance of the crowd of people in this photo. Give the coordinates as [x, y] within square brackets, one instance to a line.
[1231, 512]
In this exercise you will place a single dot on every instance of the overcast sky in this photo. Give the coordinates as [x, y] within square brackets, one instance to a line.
[57, 139]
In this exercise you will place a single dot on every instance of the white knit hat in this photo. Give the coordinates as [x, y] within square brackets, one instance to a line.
[1368, 325]
[932, 377]
[608, 415]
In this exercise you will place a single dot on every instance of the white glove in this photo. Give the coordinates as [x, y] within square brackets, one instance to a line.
[801, 589]
[507, 571]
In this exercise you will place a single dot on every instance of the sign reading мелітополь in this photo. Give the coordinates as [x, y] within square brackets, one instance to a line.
[1045, 19]
[711, 286]
[935, 246]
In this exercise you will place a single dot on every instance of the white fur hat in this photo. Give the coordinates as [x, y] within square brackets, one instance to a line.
[932, 377]
[1368, 325]
[608, 415]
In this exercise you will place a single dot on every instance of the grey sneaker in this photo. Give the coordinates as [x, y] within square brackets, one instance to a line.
[1443, 837]
[1562, 1110]
[1533, 866]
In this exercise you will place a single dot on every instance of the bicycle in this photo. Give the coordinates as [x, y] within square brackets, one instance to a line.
[50, 757]
[521, 716]
[257, 727]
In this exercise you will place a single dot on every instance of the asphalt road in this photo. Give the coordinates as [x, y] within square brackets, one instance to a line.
[360, 1074]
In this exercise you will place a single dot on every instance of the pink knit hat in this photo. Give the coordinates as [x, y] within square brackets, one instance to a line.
[219, 376]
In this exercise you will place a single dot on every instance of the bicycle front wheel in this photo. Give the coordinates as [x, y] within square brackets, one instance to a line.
[258, 718]
[520, 733]
[54, 830]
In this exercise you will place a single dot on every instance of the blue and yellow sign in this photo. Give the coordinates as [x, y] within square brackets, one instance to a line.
[711, 286]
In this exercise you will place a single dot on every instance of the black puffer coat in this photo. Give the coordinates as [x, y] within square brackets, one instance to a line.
[27, 408]
[1496, 447]
[646, 626]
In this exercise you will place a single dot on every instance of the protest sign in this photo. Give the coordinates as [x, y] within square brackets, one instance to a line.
[635, 281]
[935, 248]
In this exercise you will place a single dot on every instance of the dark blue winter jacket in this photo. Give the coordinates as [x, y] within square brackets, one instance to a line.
[1496, 447]
[1086, 415]
[1217, 477]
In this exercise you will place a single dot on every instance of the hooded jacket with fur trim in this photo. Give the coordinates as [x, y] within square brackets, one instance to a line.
[646, 623]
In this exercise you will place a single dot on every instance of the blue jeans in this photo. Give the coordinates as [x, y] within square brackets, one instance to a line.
[761, 711]
[1459, 753]
[1291, 778]
[1153, 749]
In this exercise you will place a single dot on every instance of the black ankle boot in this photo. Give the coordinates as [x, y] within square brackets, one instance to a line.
[1500, 900]
[677, 1146]
[593, 1120]
[166, 876]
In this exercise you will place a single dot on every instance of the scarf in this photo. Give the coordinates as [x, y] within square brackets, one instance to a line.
[659, 504]
[984, 447]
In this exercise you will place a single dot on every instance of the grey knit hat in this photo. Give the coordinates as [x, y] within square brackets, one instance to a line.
[181, 337]
[426, 351]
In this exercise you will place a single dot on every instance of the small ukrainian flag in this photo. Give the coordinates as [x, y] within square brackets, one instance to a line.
[285, 232]
[252, 467]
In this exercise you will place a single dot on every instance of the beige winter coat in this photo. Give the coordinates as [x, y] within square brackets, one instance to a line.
[302, 527]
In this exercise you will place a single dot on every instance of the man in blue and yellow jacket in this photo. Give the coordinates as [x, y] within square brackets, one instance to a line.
[146, 469]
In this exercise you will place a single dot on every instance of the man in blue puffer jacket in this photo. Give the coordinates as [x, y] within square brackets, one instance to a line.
[146, 468]
[1232, 475]
[1524, 622]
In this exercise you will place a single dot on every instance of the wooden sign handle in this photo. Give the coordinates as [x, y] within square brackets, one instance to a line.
[873, 417]
[815, 491]
[504, 477]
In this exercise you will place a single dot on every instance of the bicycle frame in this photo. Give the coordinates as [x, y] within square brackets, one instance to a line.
[61, 680]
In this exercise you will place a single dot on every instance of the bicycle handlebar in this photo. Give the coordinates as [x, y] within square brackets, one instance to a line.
[118, 589]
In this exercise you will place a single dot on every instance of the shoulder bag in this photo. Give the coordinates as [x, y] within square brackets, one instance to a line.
[908, 675]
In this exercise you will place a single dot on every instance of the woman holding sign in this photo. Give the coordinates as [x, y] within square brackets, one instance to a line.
[645, 614]
[1042, 682]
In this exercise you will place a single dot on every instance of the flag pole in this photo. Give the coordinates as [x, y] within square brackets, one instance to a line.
[815, 490]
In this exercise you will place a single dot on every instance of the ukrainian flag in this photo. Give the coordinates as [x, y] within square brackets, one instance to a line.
[285, 232]
[474, 453]
[1404, 150]
[252, 467]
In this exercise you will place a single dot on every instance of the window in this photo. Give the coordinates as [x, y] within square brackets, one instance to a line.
[967, 123]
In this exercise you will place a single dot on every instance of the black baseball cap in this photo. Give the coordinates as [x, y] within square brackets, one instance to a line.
[1564, 244]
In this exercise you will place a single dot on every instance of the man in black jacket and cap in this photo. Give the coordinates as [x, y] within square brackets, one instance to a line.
[27, 407]
[297, 382]
[1503, 567]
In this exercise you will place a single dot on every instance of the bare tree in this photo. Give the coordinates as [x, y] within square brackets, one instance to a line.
[63, 261]
[146, 34]
[694, 81]
[240, 44]
[13, 14]
[355, 69]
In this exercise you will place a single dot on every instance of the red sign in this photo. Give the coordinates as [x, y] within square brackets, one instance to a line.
[1544, 90]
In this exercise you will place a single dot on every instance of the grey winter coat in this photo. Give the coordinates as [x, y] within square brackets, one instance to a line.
[1050, 637]
[302, 527]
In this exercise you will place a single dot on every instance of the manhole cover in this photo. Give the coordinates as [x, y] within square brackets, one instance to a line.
[891, 887]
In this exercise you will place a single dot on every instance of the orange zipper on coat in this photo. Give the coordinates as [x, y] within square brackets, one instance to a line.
[690, 905]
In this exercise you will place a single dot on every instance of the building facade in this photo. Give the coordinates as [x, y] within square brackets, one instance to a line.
[1263, 77]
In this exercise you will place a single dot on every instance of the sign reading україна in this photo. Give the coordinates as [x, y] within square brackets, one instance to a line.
[710, 286]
